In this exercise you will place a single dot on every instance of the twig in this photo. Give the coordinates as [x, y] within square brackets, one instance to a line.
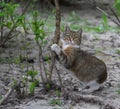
[108, 16]
[14, 26]
[6, 96]
[56, 40]
[44, 69]
[114, 13]
[40, 54]
[57, 35]
[60, 80]
[101, 10]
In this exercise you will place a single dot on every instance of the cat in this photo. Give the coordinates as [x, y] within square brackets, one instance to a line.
[87, 68]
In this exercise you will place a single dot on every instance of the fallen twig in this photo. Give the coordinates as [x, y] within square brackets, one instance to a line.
[6, 96]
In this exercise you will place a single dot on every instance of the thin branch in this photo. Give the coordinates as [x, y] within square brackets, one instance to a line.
[116, 16]
[14, 26]
[60, 80]
[40, 54]
[56, 37]
[108, 16]
[101, 10]
[44, 68]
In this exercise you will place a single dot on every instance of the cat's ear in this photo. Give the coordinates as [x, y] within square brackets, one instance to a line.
[67, 28]
[80, 32]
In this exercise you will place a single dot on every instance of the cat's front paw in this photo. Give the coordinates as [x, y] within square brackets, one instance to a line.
[55, 48]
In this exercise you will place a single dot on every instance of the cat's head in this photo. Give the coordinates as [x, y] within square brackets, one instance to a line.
[71, 38]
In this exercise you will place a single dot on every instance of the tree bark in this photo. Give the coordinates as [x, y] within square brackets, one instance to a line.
[56, 36]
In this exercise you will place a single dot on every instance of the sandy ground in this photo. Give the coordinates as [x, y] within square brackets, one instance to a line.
[104, 46]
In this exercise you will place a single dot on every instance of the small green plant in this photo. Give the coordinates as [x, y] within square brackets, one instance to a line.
[32, 74]
[48, 86]
[98, 50]
[6, 60]
[46, 58]
[37, 26]
[75, 27]
[118, 51]
[102, 27]
[14, 83]
[17, 60]
[116, 5]
[118, 91]
[32, 80]
[105, 22]
[32, 87]
[1, 97]
[10, 20]
[55, 102]
[57, 92]
[74, 17]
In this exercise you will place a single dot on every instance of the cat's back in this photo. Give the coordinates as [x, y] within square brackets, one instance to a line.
[88, 58]
[87, 67]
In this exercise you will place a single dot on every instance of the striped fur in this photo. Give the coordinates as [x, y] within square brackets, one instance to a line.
[73, 37]
[69, 41]
[67, 56]
[86, 67]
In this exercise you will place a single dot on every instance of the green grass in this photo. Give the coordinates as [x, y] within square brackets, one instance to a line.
[6, 60]
[1, 97]
[55, 102]
[118, 91]
[118, 51]
[76, 22]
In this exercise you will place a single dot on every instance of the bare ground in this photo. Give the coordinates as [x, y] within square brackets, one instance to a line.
[103, 45]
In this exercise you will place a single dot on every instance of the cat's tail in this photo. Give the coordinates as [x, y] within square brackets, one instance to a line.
[102, 78]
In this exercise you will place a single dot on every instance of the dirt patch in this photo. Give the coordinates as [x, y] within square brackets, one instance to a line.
[102, 45]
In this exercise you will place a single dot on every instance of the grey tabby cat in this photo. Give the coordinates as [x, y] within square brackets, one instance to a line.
[87, 68]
